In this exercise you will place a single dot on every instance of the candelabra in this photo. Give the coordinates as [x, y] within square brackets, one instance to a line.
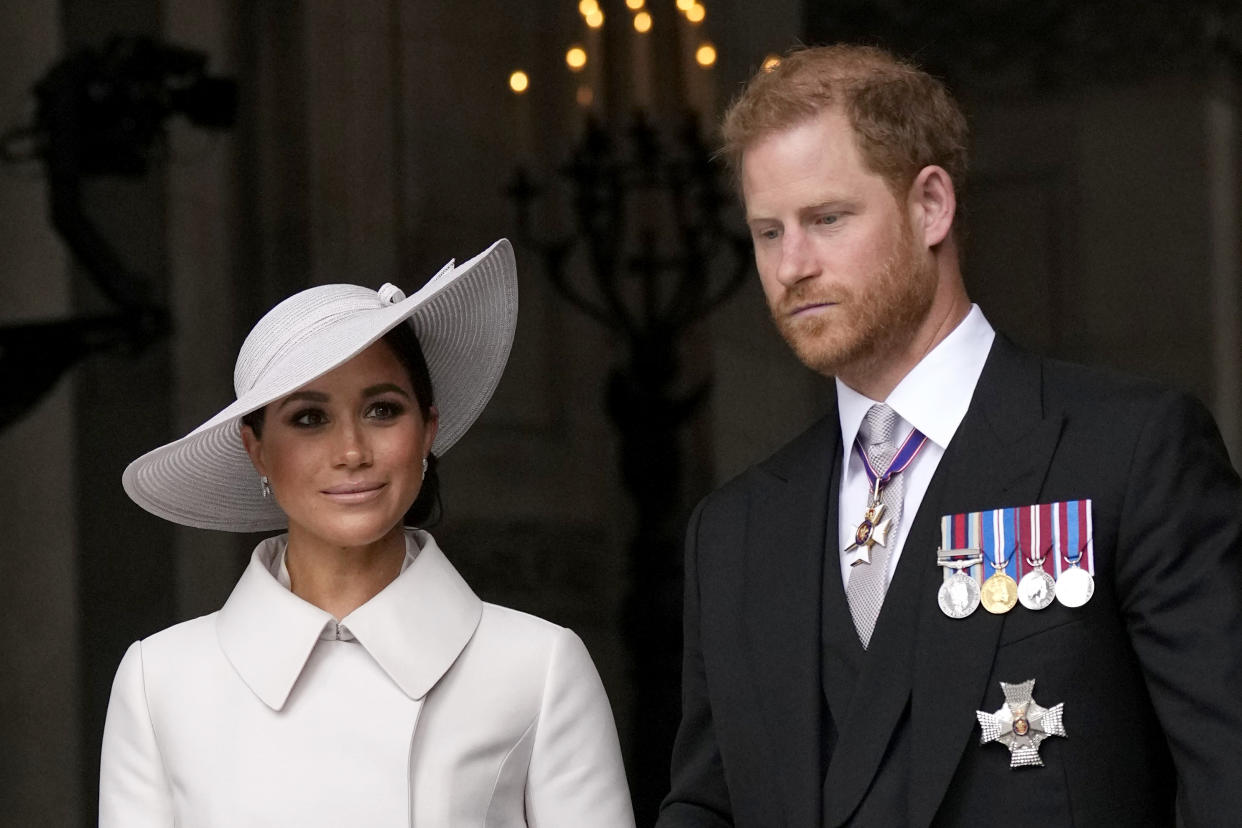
[649, 215]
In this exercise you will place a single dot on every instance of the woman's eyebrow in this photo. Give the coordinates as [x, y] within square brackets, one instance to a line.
[309, 396]
[384, 387]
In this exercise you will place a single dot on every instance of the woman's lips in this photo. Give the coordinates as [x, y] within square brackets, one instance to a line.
[349, 493]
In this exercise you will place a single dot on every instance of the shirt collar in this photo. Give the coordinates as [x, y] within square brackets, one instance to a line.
[414, 628]
[934, 395]
[335, 631]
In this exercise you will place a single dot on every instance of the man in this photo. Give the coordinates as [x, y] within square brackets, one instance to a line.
[838, 669]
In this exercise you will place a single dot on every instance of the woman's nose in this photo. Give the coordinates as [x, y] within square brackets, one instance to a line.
[354, 451]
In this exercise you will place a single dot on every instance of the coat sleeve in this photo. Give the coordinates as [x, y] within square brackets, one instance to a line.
[1179, 580]
[576, 776]
[699, 797]
[133, 786]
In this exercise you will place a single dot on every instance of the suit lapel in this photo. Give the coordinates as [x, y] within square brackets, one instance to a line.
[999, 457]
[784, 560]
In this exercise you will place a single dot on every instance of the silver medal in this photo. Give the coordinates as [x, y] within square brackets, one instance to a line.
[958, 595]
[1075, 586]
[1036, 589]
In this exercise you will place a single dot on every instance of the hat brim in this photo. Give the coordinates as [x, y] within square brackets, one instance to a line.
[465, 320]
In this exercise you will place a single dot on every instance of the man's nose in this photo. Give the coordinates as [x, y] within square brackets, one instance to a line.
[797, 258]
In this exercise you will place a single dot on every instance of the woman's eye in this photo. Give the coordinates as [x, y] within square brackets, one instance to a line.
[308, 418]
[385, 410]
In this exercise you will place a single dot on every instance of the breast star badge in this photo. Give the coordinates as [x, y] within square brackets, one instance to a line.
[1021, 724]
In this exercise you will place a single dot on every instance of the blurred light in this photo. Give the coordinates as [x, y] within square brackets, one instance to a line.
[770, 62]
[576, 58]
[642, 22]
[696, 13]
[595, 19]
[684, 5]
[635, 5]
[519, 82]
[705, 54]
[586, 95]
[588, 7]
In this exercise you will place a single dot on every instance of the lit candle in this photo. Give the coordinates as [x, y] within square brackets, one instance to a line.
[519, 85]
[640, 52]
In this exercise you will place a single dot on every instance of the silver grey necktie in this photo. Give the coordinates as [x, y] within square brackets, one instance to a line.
[867, 582]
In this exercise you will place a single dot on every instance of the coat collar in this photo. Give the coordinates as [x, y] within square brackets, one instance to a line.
[415, 628]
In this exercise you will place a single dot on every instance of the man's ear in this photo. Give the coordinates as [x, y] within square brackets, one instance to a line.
[252, 443]
[933, 205]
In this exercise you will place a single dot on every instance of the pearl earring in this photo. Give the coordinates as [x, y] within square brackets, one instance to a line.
[265, 486]
[424, 475]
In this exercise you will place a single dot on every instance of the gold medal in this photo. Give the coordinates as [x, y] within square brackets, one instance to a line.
[999, 593]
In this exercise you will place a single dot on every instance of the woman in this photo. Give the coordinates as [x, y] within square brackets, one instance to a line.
[352, 678]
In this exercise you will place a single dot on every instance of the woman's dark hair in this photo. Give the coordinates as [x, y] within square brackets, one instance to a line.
[427, 508]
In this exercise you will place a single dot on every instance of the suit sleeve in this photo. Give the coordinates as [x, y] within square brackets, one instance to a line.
[133, 786]
[699, 797]
[1179, 580]
[576, 777]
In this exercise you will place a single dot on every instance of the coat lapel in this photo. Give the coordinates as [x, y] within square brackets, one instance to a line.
[999, 457]
[784, 559]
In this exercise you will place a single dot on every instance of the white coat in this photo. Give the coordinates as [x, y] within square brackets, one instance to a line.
[423, 707]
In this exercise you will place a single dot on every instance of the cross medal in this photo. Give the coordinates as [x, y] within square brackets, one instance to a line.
[872, 530]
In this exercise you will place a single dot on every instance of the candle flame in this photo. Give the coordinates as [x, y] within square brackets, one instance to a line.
[576, 58]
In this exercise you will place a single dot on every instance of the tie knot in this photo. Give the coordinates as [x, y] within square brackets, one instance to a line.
[878, 425]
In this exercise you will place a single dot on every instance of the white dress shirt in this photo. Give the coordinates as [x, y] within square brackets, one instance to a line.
[933, 398]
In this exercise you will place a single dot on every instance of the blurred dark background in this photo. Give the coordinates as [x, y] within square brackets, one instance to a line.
[161, 190]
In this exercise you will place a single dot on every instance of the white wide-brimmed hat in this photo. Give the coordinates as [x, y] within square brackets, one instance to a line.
[464, 318]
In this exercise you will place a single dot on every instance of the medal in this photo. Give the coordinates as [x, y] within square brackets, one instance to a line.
[874, 527]
[1000, 592]
[1075, 586]
[958, 596]
[1036, 589]
[1021, 724]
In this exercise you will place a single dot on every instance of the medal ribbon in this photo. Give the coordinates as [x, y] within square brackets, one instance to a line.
[901, 460]
[998, 557]
[1009, 520]
[1077, 547]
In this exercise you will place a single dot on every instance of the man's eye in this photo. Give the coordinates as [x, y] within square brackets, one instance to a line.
[767, 234]
[828, 219]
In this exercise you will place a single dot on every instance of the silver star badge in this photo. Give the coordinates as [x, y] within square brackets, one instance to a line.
[1021, 724]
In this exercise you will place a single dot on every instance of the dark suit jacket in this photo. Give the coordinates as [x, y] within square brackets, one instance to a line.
[787, 722]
